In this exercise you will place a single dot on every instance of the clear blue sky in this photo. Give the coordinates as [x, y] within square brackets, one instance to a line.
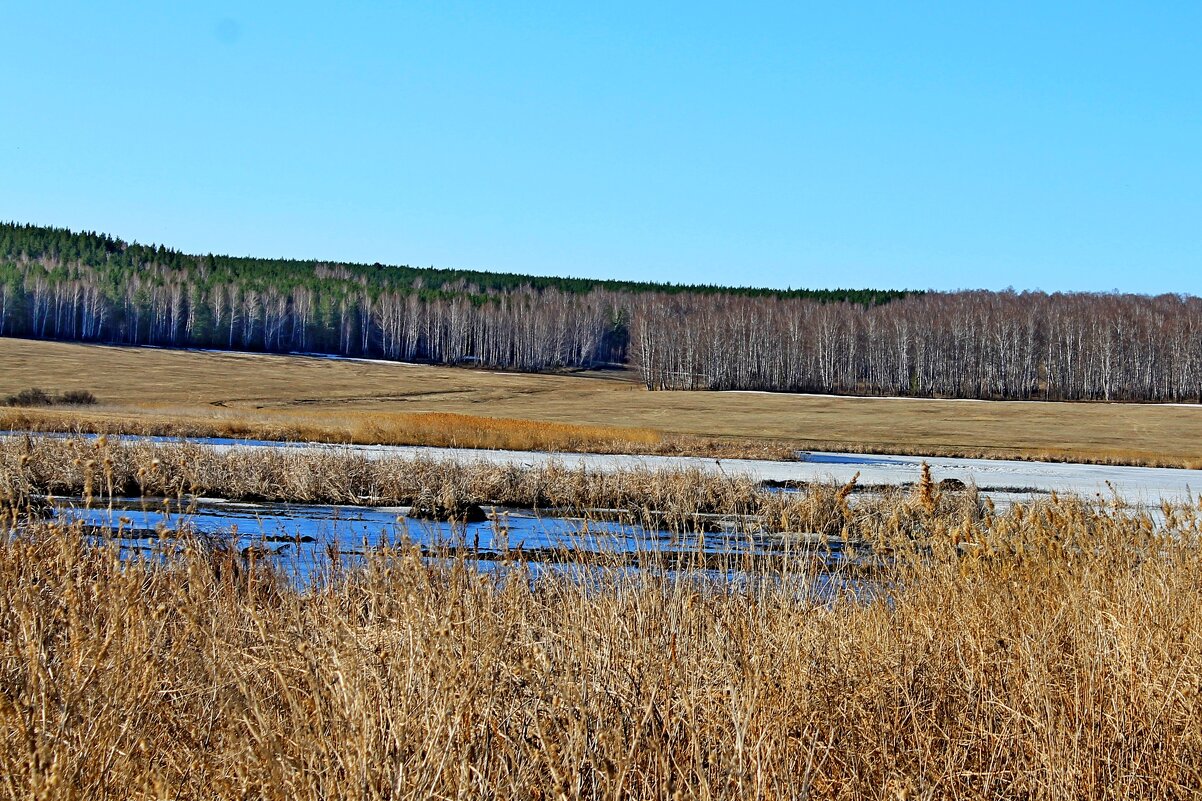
[1038, 145]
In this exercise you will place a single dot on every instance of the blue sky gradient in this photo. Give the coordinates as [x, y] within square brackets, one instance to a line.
[1050, 146]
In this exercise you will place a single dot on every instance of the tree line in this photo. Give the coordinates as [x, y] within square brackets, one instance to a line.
[59, 284]
[1000, 345]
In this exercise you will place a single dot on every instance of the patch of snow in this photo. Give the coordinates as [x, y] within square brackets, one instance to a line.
[942, 400]
[332, 357]
[846, 397]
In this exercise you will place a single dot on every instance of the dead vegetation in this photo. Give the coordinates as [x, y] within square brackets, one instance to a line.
[433, 429]
[673, 500]
[36, 396]
[1052, 652]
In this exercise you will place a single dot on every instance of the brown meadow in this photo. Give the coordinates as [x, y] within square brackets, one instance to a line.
[293, 397]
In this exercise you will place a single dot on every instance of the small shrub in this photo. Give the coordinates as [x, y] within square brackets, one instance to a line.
[35, 396]
[30, 397]
[77, 397]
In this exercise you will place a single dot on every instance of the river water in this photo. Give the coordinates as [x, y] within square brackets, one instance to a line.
[300, 538]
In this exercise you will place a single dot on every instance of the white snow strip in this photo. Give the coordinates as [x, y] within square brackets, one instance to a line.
[939, 400]
[848, 397]
[1145, 485]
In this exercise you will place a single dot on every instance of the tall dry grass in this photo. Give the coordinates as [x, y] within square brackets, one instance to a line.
[347, 426]
[1054, 652]
[358, 427]
[672, 499]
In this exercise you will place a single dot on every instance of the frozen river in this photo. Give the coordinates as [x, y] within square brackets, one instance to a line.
[1143, 485]
[1134, 484]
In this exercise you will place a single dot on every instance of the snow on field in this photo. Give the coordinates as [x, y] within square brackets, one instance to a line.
[329, 357]
[852, 397]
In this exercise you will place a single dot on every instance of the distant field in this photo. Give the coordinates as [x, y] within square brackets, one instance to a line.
[140, 389]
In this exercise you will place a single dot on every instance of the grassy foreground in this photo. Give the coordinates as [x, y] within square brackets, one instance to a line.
[1051, 652]
[294, 397]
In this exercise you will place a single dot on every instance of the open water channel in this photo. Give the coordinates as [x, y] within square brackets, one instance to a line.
[300, 537]
[303, 538]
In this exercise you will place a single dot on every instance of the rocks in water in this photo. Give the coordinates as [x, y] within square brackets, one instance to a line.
[456, 512]
[261, 551]
[297, 538]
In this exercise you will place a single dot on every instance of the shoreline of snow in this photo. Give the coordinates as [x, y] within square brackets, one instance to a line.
[1146, 485]
[1132, 484]
[951, 400]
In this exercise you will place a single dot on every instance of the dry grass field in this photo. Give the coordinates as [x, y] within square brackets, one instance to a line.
[1050, 652]
[302, 397]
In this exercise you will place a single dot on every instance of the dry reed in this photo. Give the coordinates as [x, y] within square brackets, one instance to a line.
[1054, 652]
[670, 499]
[434, 429]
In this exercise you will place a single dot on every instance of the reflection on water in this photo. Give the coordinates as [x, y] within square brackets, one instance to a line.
[302, 537]
[818, 457]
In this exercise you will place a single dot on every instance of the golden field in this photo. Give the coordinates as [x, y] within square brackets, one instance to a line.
[311, 398]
